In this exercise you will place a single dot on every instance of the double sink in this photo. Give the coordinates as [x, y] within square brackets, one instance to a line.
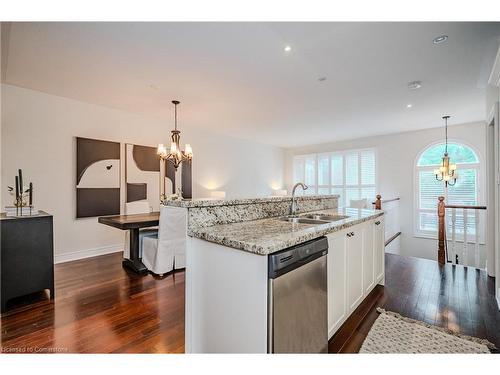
[313, 219]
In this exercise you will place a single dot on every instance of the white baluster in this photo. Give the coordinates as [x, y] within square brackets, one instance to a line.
[476, 246]
[453, 234]
[464, 252]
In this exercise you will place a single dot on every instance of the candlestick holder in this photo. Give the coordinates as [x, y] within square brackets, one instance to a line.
[23, 196]
[21, 201]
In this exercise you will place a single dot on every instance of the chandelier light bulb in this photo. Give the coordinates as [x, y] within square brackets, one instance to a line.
[173, 148]
[161, 149]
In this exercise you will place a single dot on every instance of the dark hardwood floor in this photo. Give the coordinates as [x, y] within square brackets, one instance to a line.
[455, 297]
[101, 308]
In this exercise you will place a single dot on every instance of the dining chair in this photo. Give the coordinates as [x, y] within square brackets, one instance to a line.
[168, 251]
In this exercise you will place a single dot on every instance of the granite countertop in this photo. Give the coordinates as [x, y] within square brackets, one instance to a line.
[267, 236]
[207, 202]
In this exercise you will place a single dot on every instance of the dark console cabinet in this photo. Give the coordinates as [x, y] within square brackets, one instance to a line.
[26, 256]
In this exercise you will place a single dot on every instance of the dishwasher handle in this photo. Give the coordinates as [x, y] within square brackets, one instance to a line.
[289, 259]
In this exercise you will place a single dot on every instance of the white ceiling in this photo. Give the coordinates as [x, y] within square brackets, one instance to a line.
[235, 78]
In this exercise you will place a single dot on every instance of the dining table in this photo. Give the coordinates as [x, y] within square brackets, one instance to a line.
[133, 223]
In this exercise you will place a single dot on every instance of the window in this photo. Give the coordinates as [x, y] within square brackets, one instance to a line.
[351, 174]
[464, 192]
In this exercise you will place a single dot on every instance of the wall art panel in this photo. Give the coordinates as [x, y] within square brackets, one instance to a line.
[97, 177]
[142, 175]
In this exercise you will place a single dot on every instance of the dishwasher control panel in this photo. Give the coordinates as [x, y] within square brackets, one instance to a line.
[288, 259]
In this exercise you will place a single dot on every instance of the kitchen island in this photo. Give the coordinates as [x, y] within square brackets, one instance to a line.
[229, 243]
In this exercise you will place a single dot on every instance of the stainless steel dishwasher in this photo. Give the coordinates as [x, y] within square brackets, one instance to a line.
[297, 299]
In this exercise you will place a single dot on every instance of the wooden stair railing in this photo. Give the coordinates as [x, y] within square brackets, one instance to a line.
[443, 253]
[441, 231]
[377, 205]
[378, 202]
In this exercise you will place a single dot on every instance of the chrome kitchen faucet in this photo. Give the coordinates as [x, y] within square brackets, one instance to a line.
[293, 206]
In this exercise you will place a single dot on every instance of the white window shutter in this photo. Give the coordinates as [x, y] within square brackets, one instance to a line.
[351, 174]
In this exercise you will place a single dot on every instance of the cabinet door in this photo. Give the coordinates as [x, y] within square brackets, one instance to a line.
[354, 250]
[379, 245]
[336, 261]
[368, 257]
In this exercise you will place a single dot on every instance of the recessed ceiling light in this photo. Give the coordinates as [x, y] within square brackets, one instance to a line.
[409, 105]
[287, 48]
[415, 85]
[440, 39]
[322, 79]
[153, 86]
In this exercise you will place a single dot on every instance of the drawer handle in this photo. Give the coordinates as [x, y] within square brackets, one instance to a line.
[352, 234]
[377, 223]
[348, 234]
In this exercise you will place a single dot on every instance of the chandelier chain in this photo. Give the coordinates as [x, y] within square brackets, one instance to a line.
[175, 115]
[446, 134]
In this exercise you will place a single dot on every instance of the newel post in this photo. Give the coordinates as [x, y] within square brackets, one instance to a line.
[378, 202]
[441, 231]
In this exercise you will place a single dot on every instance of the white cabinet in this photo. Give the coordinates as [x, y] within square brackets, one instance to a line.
[337, 282]
[354, 249]
[379, 246]
[355, 266]
[368, 257]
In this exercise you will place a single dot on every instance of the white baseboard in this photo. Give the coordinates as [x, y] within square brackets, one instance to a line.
[87, 253]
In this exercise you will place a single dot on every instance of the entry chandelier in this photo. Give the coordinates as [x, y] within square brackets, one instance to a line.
[447, 171]
[175, 154]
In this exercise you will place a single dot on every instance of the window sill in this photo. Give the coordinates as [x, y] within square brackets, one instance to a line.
[425, 236]
[434, 237]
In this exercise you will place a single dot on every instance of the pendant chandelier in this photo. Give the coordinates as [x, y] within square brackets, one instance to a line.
[175, 154]
[447, 172]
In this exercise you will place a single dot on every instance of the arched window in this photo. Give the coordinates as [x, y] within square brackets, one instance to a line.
[428, 189]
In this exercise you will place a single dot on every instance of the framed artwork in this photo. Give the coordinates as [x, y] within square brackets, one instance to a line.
[143, 177]
[186, 179]
[97, 178]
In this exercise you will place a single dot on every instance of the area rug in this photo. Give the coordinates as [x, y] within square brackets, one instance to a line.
[393, 333]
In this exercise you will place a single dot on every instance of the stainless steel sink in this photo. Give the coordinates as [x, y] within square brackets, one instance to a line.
[329, 218]
[302, 220]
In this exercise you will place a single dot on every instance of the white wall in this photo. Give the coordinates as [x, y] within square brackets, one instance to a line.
[396, 154]
[492, 97]
[38, 135]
